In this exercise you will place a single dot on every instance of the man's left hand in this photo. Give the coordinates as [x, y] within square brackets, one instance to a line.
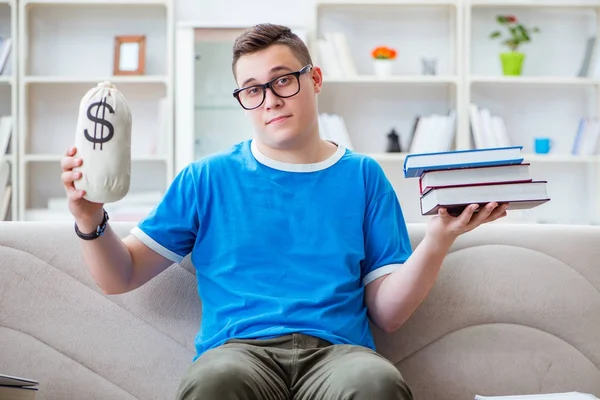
[447, 228]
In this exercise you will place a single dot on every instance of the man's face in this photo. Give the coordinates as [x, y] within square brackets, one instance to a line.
[280, 122]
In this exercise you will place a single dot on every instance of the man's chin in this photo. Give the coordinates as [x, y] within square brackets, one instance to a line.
[281, 138]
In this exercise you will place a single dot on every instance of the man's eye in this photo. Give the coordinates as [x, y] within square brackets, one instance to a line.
[283, 81]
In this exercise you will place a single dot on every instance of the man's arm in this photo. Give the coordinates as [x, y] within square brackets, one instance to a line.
[119, 265]
[393, 298]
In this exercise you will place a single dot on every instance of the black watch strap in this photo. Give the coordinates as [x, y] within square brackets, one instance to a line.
[97, 233]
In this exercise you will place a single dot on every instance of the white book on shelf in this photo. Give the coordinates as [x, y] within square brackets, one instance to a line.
[499, 131]
[588, 141]
[332, 127]
[342, 52]
[477, 129]
[434, 133]
[4, 52]
[485, 116]
[4, 174]
[584, 69]
[5, 133]
[5, 203]
[328, 59]
[5, 189]
[579, 136]
[448, 131]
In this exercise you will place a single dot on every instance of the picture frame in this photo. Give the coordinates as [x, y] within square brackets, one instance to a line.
[130, 55]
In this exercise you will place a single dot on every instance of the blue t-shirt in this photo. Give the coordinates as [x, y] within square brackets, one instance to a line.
[281, 248]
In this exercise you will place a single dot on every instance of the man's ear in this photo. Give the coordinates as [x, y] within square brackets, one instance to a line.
[317, 78]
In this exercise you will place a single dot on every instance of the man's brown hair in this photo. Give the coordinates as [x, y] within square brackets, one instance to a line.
[261, 36]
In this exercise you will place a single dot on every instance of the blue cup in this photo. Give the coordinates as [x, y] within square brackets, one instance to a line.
[542, 145]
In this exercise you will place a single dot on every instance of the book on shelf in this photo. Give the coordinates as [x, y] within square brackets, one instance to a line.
[5, 167]
[6, 126]
[332, 127]
[5, 46]
[487, 130]
[457, 179]
[590, 62]
[546, 396]
[433, 133]
[17, 388]
[334, 55]
[587, 137]
[5, 190]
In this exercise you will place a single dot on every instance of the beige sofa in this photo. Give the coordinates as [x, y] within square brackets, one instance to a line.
[516, 309]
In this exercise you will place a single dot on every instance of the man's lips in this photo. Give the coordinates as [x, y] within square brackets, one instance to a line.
[277, 119]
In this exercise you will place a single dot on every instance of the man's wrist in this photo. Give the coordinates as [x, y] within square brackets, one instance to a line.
[90, 224]
[439, 243]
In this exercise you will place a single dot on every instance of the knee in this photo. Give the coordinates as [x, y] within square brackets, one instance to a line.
[211, 380]
[380, 381]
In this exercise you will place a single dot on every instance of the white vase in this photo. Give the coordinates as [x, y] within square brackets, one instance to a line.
[383, 67]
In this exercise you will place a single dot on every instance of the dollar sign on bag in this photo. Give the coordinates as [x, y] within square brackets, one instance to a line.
[99, 136]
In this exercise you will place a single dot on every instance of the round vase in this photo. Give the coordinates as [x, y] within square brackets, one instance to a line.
[512, 62]
[382, 68]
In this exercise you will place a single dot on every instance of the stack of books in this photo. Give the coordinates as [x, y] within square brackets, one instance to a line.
[456, 179]
[14, 387]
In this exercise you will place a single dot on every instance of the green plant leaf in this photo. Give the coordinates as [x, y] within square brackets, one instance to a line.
[495, 34]
[524, 33]
[501, 19]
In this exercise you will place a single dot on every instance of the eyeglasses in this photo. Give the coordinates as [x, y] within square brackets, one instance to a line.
[283, 86]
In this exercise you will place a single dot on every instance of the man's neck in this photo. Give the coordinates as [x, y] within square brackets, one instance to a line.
[313, 151]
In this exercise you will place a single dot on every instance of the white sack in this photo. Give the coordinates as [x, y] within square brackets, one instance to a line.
[103, 142]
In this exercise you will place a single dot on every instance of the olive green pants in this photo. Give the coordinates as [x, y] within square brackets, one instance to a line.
[295, 367]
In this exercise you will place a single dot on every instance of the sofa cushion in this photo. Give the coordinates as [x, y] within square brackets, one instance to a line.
[515, 310]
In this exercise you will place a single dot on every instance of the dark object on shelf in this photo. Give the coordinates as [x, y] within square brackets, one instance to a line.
[393, 145]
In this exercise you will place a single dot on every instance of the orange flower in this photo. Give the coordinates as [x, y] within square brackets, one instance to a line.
[384, 53]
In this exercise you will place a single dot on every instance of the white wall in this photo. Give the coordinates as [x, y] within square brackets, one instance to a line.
[234, 12]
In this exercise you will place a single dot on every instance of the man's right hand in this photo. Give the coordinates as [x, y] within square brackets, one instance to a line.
[88, 215]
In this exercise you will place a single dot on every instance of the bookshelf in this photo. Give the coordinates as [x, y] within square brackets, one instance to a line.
[66, 48]
[8, 106]
[547, 100]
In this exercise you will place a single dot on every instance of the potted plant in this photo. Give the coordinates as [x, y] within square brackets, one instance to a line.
[383, 58]
[516, 35]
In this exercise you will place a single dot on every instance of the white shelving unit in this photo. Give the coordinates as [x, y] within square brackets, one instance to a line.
[66, 48]
[8, 97]
[546, 100]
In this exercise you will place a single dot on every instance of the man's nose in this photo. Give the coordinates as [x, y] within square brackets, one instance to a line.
[272, 100]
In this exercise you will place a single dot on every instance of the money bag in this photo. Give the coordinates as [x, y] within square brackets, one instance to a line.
[103, 142]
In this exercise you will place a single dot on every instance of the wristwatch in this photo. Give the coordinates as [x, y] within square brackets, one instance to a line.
[97, 233]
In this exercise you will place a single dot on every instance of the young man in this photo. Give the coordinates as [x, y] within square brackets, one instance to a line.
[297, 243]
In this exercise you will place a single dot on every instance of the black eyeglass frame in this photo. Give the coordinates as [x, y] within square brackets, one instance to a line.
[268, 85]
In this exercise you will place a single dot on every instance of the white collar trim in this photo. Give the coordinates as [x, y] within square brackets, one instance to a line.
[291, 167]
